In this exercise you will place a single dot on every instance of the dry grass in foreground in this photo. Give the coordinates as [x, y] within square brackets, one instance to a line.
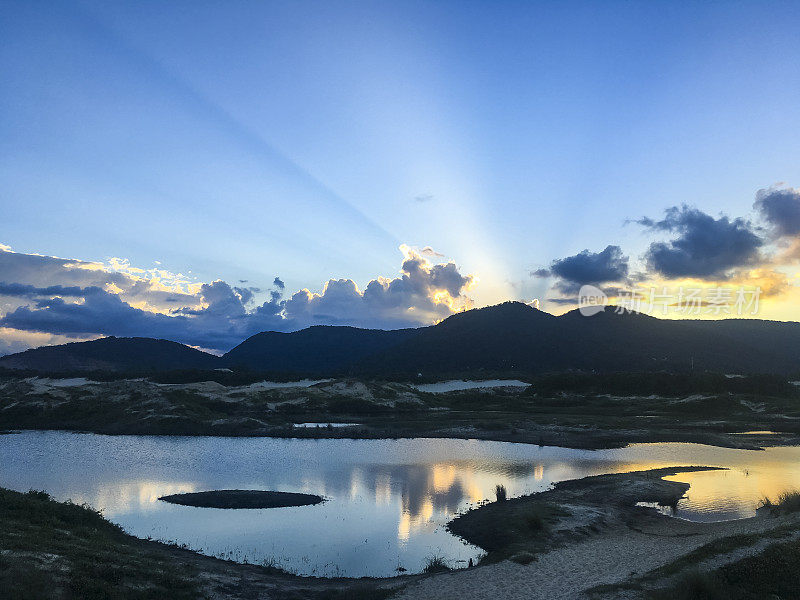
[788, 502]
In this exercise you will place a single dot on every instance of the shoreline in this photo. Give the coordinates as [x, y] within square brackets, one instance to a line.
[572, 440]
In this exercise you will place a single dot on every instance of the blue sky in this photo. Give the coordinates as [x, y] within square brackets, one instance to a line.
[309, 140]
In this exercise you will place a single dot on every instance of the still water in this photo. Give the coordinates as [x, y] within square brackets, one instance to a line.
[387, 500]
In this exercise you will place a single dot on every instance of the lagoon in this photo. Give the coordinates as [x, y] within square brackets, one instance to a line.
[387, 501]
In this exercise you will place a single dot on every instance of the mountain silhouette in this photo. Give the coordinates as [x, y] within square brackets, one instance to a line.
[111, 354]
[317, 349]
[509, 337]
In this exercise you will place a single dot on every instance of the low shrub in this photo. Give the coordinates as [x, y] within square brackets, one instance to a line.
[788, 502]
[500, 492]
[436, 564]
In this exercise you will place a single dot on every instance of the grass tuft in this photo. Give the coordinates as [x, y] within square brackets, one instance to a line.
[788, 502]
[695, 586]
[536, 517]
[500, 492]
[356, 592]
[436, 564]
[524, 558]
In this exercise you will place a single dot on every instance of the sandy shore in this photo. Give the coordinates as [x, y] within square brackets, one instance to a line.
[626, 545]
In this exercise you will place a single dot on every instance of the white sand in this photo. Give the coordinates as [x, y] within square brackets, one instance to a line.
[460, 384]
[273, 385]
[566, 573]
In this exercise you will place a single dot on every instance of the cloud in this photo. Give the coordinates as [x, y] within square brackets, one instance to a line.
[701, 251]
[99, 312]
[422, 294]
[424, 198]
[780, 208]
[220, 324]
[771, 282]
[30, 291]
[97, 299]
[428, 251]
[15, 340]
[155, 289]
[596, 268]
[705, 247]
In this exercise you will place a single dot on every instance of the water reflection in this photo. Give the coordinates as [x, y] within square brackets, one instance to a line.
[388, 499]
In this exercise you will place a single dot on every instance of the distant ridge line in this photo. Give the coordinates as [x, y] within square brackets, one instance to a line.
[509, 337]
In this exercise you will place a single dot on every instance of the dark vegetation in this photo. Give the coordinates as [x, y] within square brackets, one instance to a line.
[662, 383]
[500, 492]
[774, 573]
[516, 528]
[510, 339]
[61, 550]
[436, 564]
[318, 349]
[684, 580]
[561, 410]
[356, 591]
[788, 502]
[242, 499]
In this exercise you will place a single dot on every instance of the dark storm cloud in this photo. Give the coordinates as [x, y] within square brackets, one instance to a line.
[100, 312]
[222, 324]
[278, 283]
[592, 267]
[29, 291]
[781, 209]
[595, 268]
[705, 247]
[564, 301]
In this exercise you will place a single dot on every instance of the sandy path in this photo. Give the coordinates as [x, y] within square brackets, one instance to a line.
[606, 558]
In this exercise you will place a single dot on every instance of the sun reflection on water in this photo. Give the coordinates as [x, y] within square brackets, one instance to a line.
[388, 500]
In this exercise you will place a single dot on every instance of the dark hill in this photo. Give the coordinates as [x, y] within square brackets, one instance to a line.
[631, 341]
[111, 354]
[516, 337]
[319, 349]
[509, 337]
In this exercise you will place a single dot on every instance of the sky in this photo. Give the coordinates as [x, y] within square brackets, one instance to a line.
[202, 171]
